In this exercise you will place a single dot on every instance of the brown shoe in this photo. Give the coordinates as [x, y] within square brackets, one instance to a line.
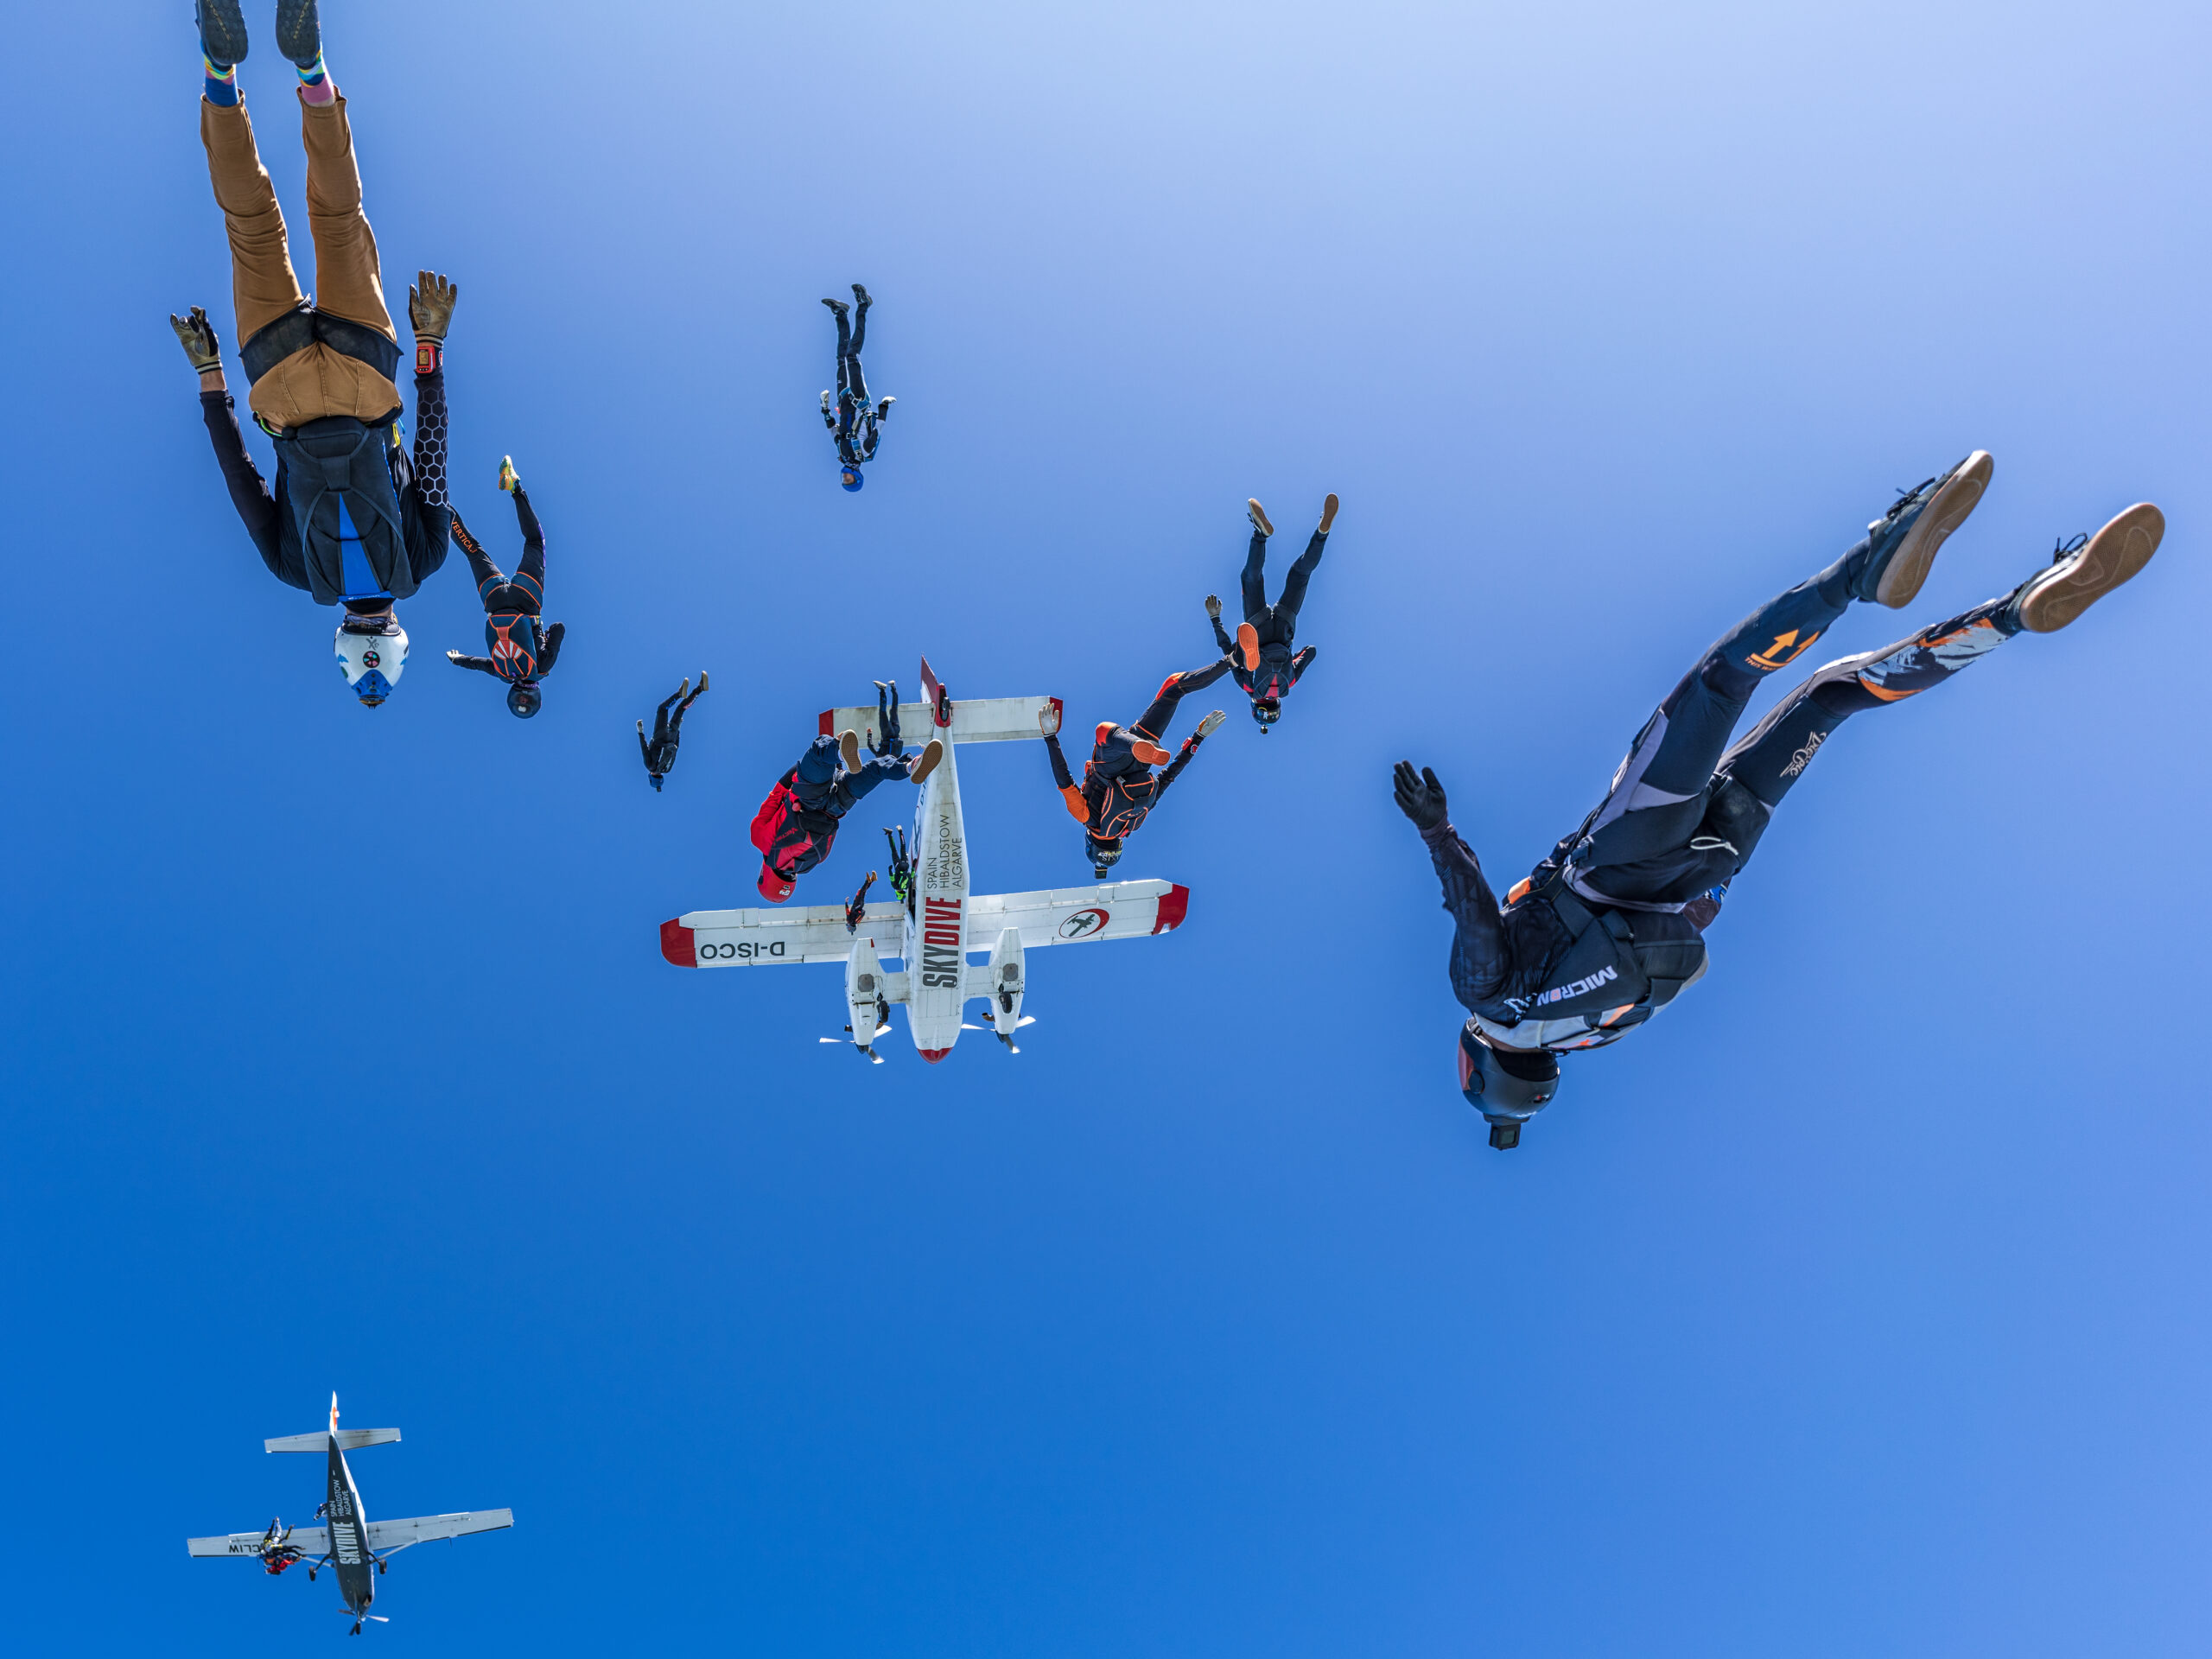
[1258, 515]
[1328, 512]
[925, 763]
[849, 749]
[2082, 576]
[1248, 646]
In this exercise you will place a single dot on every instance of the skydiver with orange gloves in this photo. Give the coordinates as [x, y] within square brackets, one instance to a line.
[1609, 928]
[1119, 787]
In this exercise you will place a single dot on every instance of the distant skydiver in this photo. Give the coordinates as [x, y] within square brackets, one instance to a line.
[796, 825]
[1609, 928]
[1119, 787]
[349, 520]
[659, 750]
[856, 426]
[1262, 657]
[522, 651]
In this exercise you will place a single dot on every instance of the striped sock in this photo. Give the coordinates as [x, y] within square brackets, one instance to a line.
[222, 81]
[313, 75]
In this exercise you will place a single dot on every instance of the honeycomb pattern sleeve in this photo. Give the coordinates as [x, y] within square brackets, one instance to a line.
[430, 438]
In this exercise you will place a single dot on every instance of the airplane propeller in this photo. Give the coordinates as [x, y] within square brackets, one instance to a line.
[874, 1058]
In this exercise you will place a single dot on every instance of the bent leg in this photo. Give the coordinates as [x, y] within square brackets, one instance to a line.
[1775, 754]
[349, 282]
[262, 285]
[1656, 796]
[875, 770]
[1154, 722]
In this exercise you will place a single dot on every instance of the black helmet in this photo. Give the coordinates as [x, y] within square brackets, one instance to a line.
[525, 699]
[1267, 711]
[1105, 852]
[1507, 1086]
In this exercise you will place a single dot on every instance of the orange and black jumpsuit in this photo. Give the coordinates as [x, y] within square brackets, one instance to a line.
[1119, 787]
[521, 648]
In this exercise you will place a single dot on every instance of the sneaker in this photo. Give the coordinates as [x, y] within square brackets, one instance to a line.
[838, 306]
[1902, 543]
[1328, 512]
[925, 763]
[2085, 569]
[1248, 646]
[849, 749]
[222, 31]
[1258, 515]
[299, 31]
[861, 298]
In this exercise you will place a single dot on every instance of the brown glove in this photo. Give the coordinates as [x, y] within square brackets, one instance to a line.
[430, 305]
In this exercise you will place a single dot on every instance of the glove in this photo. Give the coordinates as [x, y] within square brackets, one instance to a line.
[1207, 727]
[1420, 797]
[508, 480]
[455, 656]
[1048, 720]
[429, 306]
[197, 336]
[1213, 606]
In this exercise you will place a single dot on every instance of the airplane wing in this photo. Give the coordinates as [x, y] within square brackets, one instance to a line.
[741, 938]
[975, 719]
[428, 1529]
[1119, 910]
[310, 1542]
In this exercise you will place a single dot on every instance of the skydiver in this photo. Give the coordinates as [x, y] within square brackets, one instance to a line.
[1609, 928]
[522, 651]
[1119, 787]
[796, 825]
[1262, 657]
[349, 519]
[856, 426]
[660, 750]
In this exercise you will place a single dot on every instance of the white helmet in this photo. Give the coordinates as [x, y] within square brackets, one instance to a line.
[372, 654]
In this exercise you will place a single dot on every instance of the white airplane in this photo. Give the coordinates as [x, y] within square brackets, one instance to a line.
[932, 929]
[355, 1546]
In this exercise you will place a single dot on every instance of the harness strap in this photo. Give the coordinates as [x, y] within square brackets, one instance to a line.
[299, 328]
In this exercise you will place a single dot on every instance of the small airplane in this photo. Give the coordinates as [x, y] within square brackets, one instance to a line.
[357, 1546]
[934, 921]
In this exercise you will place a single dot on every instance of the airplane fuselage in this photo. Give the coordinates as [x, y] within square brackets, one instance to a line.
[935, 937]
[349, 1535]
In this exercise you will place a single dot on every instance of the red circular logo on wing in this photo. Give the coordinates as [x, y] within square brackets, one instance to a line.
[1083, 923]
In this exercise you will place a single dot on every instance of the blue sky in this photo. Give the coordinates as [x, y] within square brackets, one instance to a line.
[1855, 1306]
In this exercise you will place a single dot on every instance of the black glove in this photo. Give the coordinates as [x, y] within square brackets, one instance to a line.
[197, 336]
[1420, 797]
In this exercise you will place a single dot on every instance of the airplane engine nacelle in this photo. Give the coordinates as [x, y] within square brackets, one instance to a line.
[1008, 983]
[864, 992]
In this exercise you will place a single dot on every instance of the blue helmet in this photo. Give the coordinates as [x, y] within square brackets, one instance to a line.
[851, 478]
[1507, 1086]
[525, 699]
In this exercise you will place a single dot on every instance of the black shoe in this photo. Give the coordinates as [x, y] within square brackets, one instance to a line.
[299, 31]
[860, 294]
[222, 31]
[838, 306]
[1901, 543]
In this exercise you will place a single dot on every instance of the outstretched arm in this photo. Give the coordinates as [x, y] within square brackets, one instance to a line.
[1480, 957]
[1206, 727]
[644, 749]
[481, 663]
[1070, 795]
